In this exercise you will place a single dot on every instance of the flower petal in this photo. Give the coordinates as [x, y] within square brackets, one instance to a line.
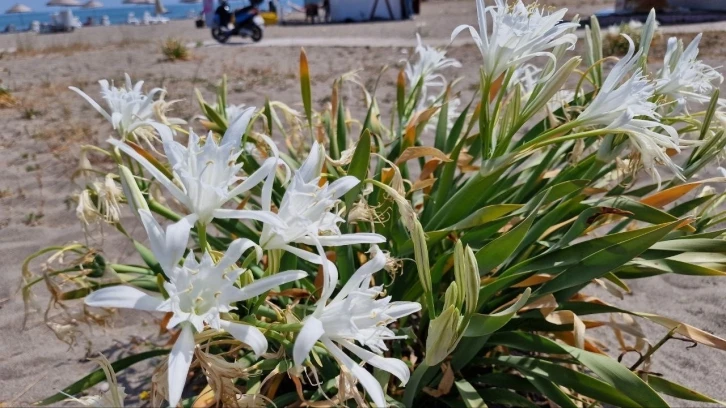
[312, 331]
[363, 274]
[179, 361]
[93, 103]
[168, 247]
[124, 297]
[342, 186]
[261, 286]
[262, 216]
[247, 334]
[366, 379]
[313, 164]
[234, 132]
[345, 239]
[158, 175]
[235, 251]
[392, 365]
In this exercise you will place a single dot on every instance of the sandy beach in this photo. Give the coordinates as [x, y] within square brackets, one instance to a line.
[42, 132]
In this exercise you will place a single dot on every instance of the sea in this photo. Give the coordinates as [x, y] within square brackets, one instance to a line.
[116, 15]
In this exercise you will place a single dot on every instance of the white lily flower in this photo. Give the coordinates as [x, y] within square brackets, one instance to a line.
[519, 33]
[683, 77]
[357, 314]
[198, 293]
[205, 176]
[306, 213]
[234, 112]
[426, 68]
[128, 106]
[527, 76]
[620, 101]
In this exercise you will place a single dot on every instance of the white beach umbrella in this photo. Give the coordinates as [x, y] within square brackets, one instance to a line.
[18, 9]
[63, 3]
[93, 4]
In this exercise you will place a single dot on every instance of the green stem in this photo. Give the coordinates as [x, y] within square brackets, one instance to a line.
[202, 234]
[655, 348]
[165, 212]
[278, 327]
[540, 141]
[119, 268]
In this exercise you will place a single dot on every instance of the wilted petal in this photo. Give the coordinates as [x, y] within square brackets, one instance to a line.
[247, 334]
[179, 361]
[312, 331]
[125, 297]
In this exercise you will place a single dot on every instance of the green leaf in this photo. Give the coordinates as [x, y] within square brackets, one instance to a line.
[502, 396]
[442, 125]
[483, 325]
[468, 393]
[358, 166]
[341, 132]
[676, 390]
[605, 260]
[550, 390]
[619, 376]
[97, 376]
[497, 251]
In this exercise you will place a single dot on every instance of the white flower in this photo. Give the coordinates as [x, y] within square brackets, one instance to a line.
[128, 106]
[519, 33]
[425, 69]
[306, 212]
[205, 176]
[198, 293]
[357, 314]
[624, 105]
[683, 77]
[452, 114]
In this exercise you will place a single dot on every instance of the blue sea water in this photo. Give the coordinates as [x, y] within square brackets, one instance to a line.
[117, 15]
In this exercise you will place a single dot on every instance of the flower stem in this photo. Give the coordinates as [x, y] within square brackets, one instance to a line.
[202, 234]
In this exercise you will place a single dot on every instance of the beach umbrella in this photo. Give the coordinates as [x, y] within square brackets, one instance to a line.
[19, 9]
[63, 3]
[159, 8]
[93, 4]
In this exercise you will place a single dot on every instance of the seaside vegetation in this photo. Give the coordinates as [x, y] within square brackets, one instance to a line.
[451, 252]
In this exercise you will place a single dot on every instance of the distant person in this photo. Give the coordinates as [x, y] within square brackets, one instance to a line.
[326, 9]
[272, 6]
[311, 11]
[89, 22]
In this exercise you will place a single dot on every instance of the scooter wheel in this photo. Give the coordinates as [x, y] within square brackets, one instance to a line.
[256, 33]
[220, 35]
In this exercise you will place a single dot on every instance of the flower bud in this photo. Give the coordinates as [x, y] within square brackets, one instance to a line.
[131, 190]
[443, 335]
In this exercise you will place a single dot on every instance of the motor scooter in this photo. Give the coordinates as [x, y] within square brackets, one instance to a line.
[245, 22]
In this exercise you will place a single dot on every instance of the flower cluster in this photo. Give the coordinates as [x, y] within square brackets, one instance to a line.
[281, 252]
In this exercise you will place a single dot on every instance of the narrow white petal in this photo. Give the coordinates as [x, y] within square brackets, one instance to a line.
[312, 331]
[125, 297]
[235, 251]
[93, 103]
[306, 255]
[248, 335]
[366, 379]
[313, 164]
[262, 216]
[179, 361]
[254, 179]
[363, 274]
[233, 135]
[346, 239]
[158, 175]
[261, 286]
[168, 247]
[392, 365]
[342, 186]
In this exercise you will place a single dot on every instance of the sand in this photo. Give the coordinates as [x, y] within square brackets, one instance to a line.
[39, 147]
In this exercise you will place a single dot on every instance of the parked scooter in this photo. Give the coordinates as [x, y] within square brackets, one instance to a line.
[245, 22]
